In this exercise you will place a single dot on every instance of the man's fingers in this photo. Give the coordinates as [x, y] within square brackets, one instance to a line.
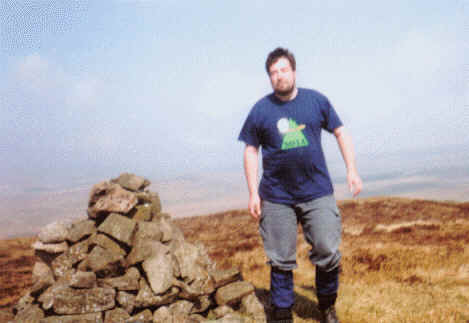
[253, 211]
[357, 187]
[258, 209]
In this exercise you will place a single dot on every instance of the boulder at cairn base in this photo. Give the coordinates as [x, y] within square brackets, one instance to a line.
[84, 318]
[82, 301]
[159, 270]
[233, 292]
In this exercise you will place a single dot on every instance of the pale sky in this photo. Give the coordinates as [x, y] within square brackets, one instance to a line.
[161, 88]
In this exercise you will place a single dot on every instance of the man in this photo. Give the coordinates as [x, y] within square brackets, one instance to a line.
[295, 184]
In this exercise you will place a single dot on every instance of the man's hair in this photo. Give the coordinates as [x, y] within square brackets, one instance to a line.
[278, 53]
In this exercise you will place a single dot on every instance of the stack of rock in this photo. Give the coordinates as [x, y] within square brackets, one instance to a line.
[127, 262]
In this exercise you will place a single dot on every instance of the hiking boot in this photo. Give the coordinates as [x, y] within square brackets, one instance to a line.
[329, 315]
[282, 315]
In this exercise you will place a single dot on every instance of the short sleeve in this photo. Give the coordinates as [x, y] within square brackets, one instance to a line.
[249, 133]
[331, 120]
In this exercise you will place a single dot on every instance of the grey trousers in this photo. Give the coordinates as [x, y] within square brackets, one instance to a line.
[322, 228]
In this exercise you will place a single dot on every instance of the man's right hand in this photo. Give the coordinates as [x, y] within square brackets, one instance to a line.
[255, 206]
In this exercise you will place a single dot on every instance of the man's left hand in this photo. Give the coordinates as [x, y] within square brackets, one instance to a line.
[354, 183]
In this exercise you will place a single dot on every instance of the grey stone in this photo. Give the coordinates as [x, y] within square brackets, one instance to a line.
[146, 297]
[24, 302]
[127, 282]
[176, 270]
[233, 293]
[83, 279]
[65, 261]
[107, 243]
[181, 307]
[203, 282]
[166, 229]
[187, 292]
[143, 197]
[54, 232]
[187, 255]
[30, 314]
[222, 310]
[50, 247]
[42, 277]
[142, 213]
[159, 271]
[103, 262]
[223, 277]
[82, 301]
[145, 249]
[197, 318]
[163, 314]
[45, 257]
[108, 198]
[181, 318]
[202, 304]
[232, 318]
[204, 258]
[148, 231]
[119, 227]
[81, 229]
[48, 297]
[126, 301]
[177, 234]
[144, 316]
[192, 267]
[117, 315]
[155, 203]
[131, 182]
[81, 318]
[251, 305]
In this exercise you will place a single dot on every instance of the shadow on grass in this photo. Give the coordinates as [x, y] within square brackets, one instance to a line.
[304, 307]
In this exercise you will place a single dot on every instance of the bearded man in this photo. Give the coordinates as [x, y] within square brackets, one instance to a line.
[295, 185]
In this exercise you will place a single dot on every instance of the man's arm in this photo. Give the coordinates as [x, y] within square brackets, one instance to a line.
[346, 148]
[251, 166]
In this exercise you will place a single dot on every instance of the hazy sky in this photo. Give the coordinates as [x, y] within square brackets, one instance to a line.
[163, 87]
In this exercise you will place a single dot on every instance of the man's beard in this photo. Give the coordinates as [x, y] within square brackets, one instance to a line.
[286, 92]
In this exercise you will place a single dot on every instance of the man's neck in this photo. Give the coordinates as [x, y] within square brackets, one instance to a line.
[288, 97]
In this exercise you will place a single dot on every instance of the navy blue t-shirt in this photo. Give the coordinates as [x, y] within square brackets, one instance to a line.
[289, 133]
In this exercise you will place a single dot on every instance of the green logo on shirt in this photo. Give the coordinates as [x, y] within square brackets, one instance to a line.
[292, 133]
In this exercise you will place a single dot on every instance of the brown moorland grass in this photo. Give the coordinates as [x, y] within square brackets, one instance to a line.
[404, 260]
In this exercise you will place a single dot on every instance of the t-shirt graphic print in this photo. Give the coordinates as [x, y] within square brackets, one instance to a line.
[292, 133]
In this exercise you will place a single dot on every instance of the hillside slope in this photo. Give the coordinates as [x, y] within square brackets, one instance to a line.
[404, 260]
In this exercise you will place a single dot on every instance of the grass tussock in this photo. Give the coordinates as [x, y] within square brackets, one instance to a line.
[403, 260]
[16, 265]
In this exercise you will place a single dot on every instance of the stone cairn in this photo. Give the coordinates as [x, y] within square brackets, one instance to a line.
[127, 262]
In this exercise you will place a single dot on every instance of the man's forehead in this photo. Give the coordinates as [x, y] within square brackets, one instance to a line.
[280, 63]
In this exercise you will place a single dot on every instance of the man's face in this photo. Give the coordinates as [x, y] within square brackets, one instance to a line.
[282, 77]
